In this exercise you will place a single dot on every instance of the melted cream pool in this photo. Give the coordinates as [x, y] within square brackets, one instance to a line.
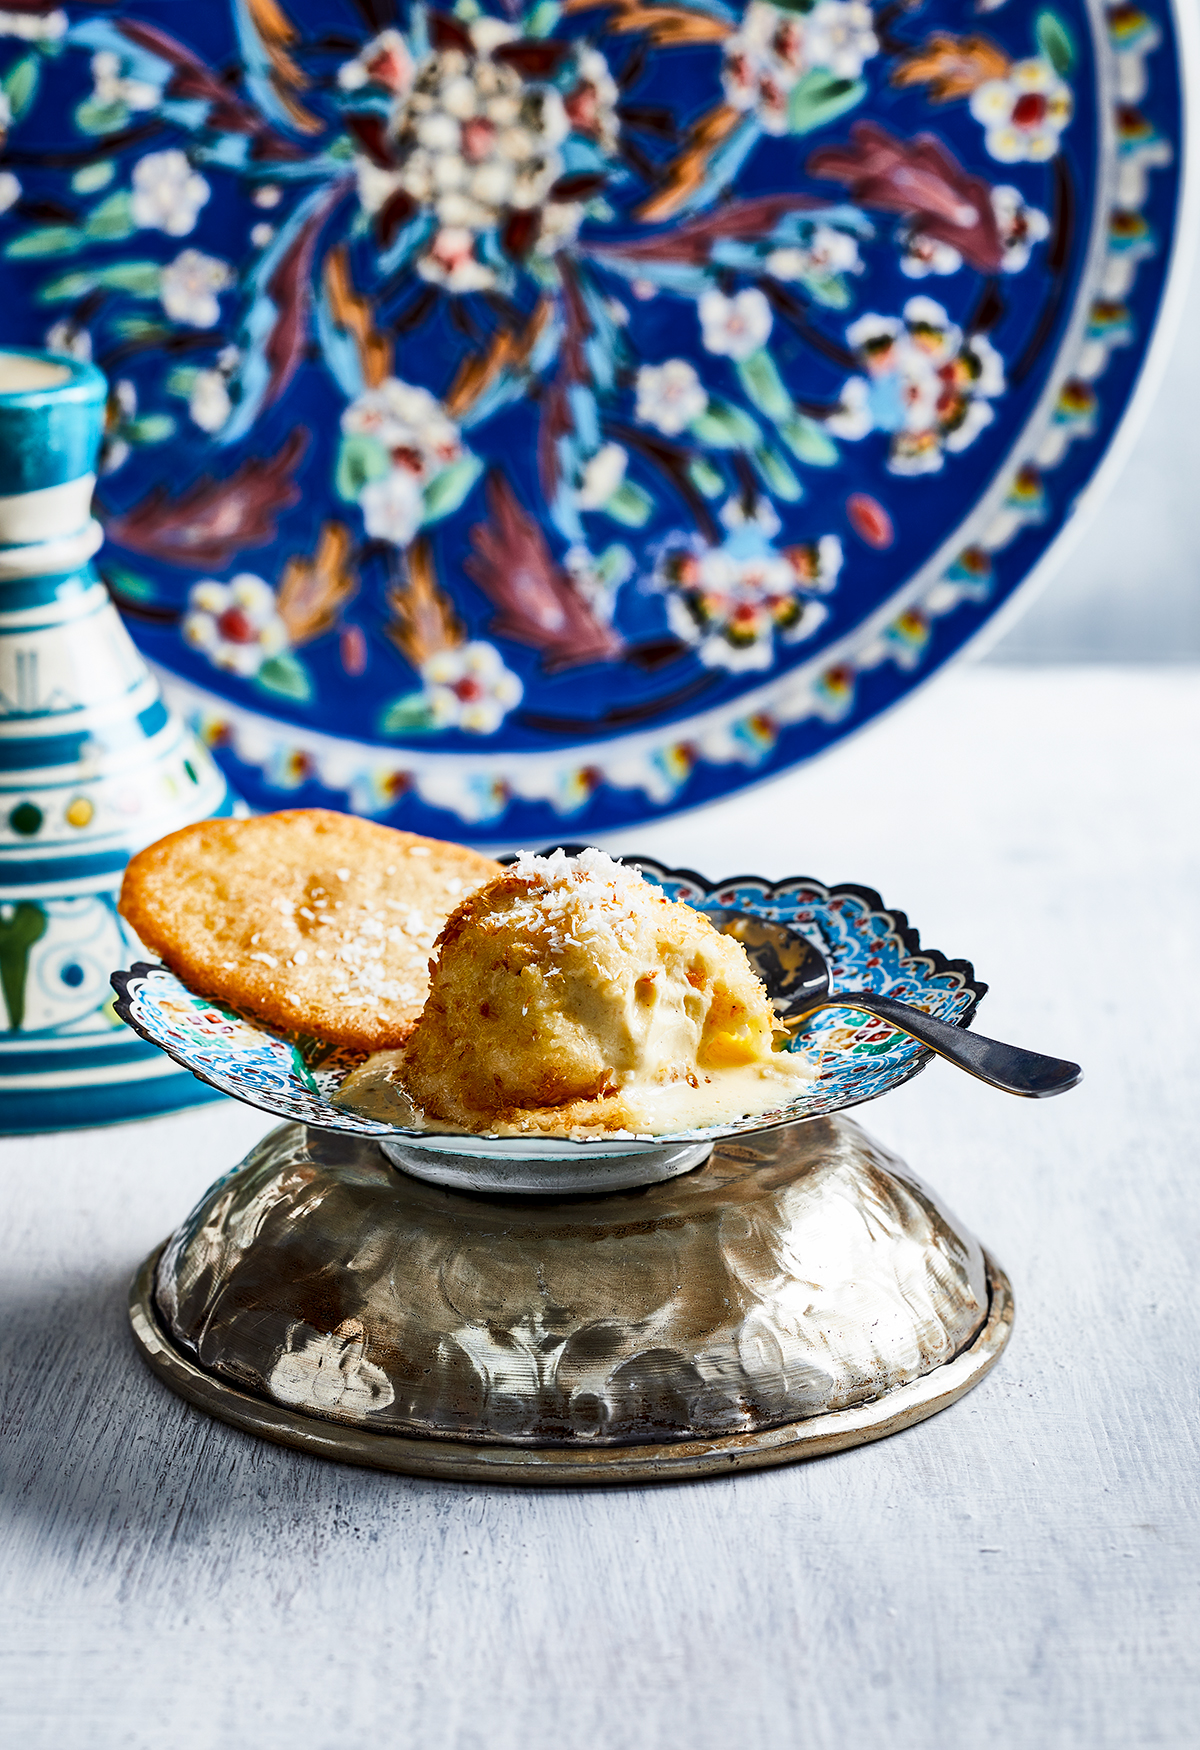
[375, 1090]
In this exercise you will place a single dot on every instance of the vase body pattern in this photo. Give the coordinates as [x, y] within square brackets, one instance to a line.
[92, 768]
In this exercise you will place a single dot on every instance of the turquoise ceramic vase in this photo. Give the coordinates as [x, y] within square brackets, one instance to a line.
[92, 767]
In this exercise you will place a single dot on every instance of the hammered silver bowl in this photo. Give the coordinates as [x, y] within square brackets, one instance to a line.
[799, 1292]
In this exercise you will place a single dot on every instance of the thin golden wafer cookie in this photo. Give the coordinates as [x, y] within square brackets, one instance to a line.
[319, 923]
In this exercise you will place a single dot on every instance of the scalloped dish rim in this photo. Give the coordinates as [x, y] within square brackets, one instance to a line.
[124, 984]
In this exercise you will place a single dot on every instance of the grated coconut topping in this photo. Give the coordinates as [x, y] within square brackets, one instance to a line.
[574, 897]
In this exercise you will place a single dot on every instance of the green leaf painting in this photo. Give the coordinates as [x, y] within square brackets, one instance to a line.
[140, 278]
[101, 118]
[112, 220]
[128, 585]
[446, 491]
[725, 427]
[1055, 42]
[286, 676]
[151, 428]
[776, 474]
[21, 926]
[630, 505]
[541, 20]
[705, 478]
[44, 240]
[809, 441]
[819, 98]
[91, 178]
[20, 84]
[764, 386]
[361, 459]
[406, 715]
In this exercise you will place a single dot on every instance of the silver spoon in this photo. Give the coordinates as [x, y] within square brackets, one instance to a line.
[798, 980]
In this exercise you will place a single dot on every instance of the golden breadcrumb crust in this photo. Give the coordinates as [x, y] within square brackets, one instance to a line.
[318, 923]
[536, 1022]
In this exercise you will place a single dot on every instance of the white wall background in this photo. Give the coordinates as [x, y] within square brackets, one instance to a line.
[1129, 591]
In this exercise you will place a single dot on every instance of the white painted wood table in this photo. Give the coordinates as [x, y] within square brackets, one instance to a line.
[1022, 1570]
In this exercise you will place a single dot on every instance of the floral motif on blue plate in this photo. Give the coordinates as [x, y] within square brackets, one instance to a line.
[573, 411]
[856, 1057]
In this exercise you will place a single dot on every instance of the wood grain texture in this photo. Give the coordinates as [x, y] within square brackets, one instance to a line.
[1022, 1570]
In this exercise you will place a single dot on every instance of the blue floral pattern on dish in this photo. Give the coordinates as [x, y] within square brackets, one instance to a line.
[858, 1057]
[540, 409]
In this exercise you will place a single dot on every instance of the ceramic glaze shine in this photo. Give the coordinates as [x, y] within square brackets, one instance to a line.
[20, 372]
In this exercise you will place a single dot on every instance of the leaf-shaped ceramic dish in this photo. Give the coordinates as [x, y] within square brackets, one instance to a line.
[857, 1058]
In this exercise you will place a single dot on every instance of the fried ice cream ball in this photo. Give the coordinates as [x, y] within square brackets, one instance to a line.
[572, 983]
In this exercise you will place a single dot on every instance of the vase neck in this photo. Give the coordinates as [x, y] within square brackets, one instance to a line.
[49, 531]
[51, 416]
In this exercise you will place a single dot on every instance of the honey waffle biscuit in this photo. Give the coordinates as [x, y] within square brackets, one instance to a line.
[316, 922]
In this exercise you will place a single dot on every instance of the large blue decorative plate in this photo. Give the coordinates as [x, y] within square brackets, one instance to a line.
[571, 414]
[855, 1057]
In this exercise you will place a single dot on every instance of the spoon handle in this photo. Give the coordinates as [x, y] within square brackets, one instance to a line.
[1001, 1066]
